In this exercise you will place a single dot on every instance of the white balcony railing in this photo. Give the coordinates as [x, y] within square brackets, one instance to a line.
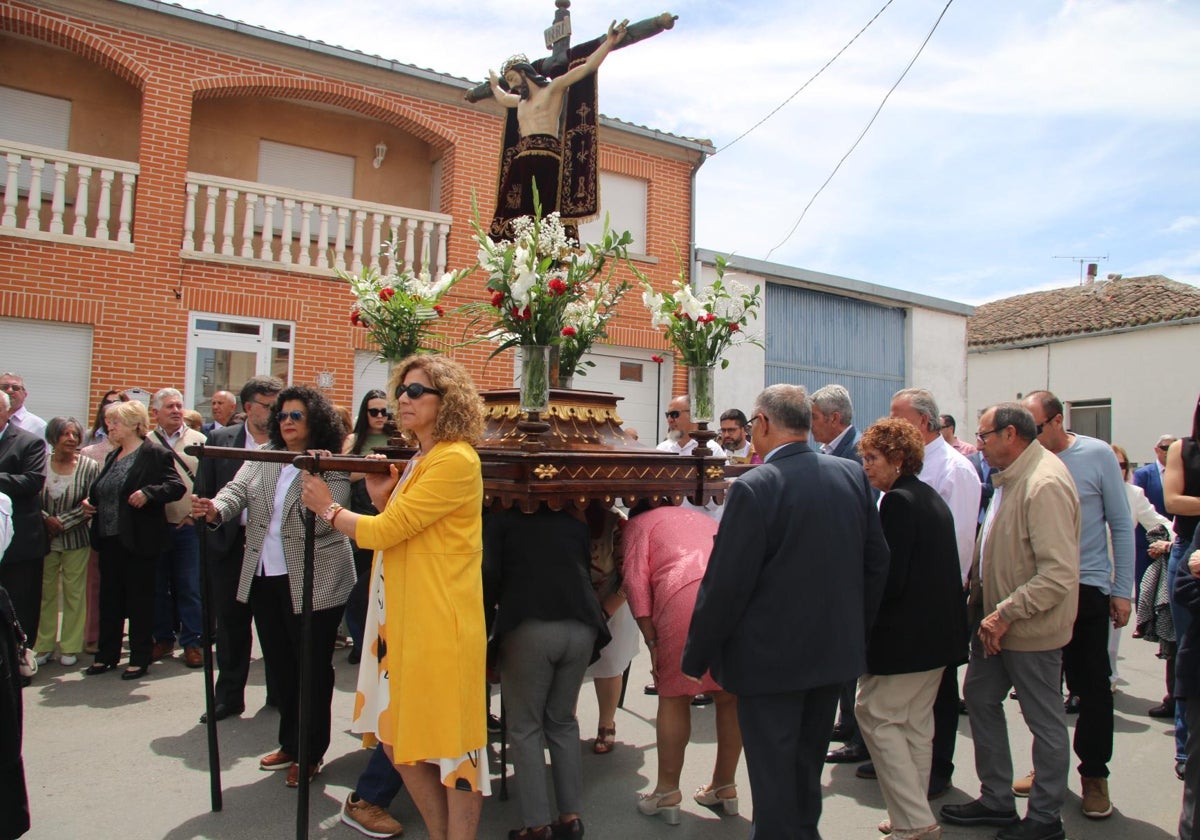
[244, 221]
[67, 197]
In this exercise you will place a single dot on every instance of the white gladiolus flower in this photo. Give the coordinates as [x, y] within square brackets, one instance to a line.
[522, 287]
[689, 304]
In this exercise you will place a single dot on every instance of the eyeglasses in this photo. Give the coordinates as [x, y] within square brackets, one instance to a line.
[415, 390]
[11, 386]
[1163, 447]
[294, 415]
[729, 429]
[262, 404]
[379, 412]
[754, 419]
[983, 436]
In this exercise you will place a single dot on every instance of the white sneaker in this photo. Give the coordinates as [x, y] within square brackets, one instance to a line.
[67, 660]
[42, 658]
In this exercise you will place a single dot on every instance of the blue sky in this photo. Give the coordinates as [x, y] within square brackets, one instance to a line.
[1026, 130]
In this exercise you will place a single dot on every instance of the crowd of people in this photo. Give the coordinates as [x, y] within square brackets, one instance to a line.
[1018, 557]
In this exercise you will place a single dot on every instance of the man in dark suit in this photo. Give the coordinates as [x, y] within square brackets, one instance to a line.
[1149, 478]
[795, 578]
[227, 544]
[22, 474]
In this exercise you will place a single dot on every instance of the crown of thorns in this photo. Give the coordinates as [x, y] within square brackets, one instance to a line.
[513, 61]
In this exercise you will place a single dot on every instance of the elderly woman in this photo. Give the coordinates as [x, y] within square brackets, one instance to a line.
[548, 627]
[921, 627]
[129, 530]
[68, 481]
[666, 554]
[421, 685]
[273, 569]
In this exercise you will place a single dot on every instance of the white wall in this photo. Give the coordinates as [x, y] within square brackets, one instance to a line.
[937, 359]
[1149, 374]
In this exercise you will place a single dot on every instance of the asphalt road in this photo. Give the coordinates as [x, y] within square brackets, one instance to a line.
[107, 758]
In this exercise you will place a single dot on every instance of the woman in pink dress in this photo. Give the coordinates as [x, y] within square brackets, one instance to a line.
[666, 553]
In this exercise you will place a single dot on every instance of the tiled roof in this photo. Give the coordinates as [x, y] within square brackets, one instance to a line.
[1079, 310]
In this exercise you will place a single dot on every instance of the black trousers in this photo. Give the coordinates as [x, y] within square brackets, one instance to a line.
[945, 727]
[785, 737]
[23, 580]
[126, 591]
[233, 624]
[280, 631]
[1085, 662]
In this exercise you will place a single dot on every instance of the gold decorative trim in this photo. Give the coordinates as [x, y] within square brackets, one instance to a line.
[715, 472]
[545, 471]
[563, 411]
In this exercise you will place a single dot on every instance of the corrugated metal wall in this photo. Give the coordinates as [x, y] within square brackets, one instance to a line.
[814, 339]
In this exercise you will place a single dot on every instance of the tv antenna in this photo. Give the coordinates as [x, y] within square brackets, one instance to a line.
[1082, 261]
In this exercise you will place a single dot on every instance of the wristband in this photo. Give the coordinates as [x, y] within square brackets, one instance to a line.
[333, 519]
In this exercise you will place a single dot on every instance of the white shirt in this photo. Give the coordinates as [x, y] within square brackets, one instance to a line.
[826, 448]
[954, 478]
[271, 561]
[6, 531]
[986, 528]
[669, 445]
[25, 419]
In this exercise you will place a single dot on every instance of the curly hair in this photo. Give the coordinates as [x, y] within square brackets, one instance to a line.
[325, 428]
[893, 436]
[461, 414]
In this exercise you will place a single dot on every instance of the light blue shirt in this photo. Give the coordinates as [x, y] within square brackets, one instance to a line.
[1103, 508]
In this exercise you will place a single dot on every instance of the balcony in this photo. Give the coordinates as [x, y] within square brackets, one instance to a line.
[255, 224]
[61, 196]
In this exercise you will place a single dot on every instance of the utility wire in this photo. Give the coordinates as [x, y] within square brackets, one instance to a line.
[870, 122]
[812, 79]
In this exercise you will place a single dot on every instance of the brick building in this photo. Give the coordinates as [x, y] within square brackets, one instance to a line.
[178, 188]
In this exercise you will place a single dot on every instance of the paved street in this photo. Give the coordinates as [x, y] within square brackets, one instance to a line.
[113, 759]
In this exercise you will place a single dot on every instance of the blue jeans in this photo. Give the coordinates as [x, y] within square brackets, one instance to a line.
[177, 589]
[380, 780]
[1182, 619]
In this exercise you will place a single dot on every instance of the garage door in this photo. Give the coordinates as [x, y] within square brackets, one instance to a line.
[55, 360]
[629, 372]
[816, 339]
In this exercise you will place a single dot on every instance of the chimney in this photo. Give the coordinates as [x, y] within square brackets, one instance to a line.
[1091, 275]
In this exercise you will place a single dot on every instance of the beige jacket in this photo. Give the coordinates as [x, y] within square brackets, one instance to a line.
[1030, 564]
[180, 510]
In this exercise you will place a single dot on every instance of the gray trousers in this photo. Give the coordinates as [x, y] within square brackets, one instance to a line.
[541, 669]
[1037, 677]
[1191, 773]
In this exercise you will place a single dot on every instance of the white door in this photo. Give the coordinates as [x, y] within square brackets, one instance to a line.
[223, 352]
[630, 372]
[55, 360]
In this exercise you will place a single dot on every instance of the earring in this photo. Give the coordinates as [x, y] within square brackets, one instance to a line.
[897, 471]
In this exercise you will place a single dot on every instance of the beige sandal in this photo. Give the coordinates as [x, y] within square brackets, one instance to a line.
[710, 798]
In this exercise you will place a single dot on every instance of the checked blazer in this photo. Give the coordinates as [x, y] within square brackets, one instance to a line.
[253, 488]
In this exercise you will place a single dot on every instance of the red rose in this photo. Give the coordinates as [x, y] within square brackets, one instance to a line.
[497, 299]
[354, 317]
[658, 360]
[386, 293]
[568, 331]
[557, 287]
[707, 318]
[439, 309]
[526, 314]
[733, 326]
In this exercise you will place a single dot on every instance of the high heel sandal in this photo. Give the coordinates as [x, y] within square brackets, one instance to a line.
[707, 796]
[651, 805]
[604, 740]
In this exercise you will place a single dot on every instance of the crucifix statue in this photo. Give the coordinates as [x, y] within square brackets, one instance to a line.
[550, 134]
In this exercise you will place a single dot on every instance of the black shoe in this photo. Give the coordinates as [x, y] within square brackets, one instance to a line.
[1071, 707]
[702, 700]
[976, 813]
[962, 707]
[355, 656]
[223, 711]
[493, 725]
[651, 689]
[572, 830]
[841, 733]
[1028, 829]
[272, 702]
[1180, 768]
[938, 787]
[134, 673]
[1162, 710]
[866, 771]
[848, 754]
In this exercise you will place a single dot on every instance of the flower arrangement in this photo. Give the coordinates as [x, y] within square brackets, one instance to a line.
[586, 320]
[398, 309]
[701, 327]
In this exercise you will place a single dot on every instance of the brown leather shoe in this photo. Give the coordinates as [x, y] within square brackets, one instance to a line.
[193, 657]
[293, 776]
[278, 760]
[161, 650]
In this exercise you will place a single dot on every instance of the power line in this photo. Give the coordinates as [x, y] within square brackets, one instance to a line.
[824, 67]
[870, 122]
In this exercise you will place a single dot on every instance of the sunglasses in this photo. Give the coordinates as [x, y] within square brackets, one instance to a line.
[415, 390]
[294, 415]
[379, 412]
[672, 415]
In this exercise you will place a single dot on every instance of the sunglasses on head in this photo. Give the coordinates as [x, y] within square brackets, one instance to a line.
[379, 412]
[416, 390]
[294, 415]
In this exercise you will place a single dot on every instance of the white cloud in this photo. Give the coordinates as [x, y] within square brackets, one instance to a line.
[1184, 224]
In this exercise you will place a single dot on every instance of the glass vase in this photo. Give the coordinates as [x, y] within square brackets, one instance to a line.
[535, 378]
[701, 396]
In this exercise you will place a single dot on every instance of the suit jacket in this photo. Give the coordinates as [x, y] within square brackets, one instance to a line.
[253, 489]
[922, 621]
[1150, 481]
[213, 475]
[144, 530]
[795, 578]
[848, 447]
[22, 474]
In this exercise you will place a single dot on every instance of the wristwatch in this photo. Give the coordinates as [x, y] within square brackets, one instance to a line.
[331, 511]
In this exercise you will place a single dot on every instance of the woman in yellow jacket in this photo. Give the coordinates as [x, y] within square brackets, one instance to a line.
[421, 684]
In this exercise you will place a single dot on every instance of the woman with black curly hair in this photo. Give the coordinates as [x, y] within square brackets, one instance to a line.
[273, 568]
